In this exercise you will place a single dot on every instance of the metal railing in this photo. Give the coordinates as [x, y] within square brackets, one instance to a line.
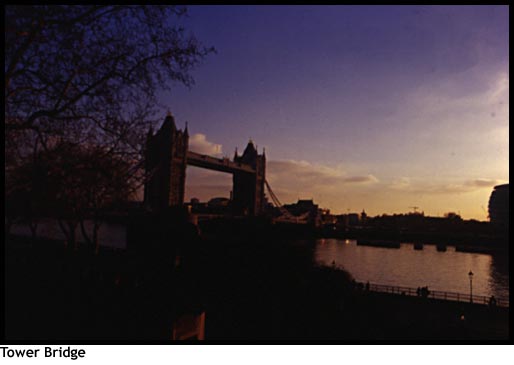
[433, 294]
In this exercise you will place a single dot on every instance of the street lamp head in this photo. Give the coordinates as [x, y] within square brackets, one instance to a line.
[470, 274]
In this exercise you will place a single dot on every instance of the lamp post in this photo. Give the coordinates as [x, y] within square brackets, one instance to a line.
[470, 275]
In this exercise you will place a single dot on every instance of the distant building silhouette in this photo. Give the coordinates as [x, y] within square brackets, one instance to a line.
[452, 216]
[499, 207]
[219, 202]
[344, 221]
[304, 206]
[364, 216]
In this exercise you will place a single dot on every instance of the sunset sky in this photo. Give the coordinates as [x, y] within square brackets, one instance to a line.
[358, 107]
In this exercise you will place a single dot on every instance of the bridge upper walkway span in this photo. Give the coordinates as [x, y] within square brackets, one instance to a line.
[218, 164]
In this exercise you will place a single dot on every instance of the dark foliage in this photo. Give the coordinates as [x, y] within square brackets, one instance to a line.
[91, 73]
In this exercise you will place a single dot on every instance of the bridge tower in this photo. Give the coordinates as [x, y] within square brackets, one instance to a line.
[166, 161]
[248, 188]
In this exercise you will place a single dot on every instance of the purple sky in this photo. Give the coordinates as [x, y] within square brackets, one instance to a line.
[359, 107]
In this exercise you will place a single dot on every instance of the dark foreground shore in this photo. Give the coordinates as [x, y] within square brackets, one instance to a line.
[251, 290]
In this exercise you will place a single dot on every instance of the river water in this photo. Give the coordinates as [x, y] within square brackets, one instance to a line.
[110, 235]
[445, 271]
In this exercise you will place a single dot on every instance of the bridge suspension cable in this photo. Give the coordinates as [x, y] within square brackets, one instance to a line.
[272, 195]
[286, 215]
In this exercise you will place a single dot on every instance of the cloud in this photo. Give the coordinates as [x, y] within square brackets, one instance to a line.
[467, 186]
[361, 179]
[205, 184]
[483, 183]
[401, 183]
[216, 189]
[326, 184]
[303, 174]
[287, 177]
[206, 192]
[404, 184]
[206, 175]
[499, 89]
[198, 143]
[333, 187]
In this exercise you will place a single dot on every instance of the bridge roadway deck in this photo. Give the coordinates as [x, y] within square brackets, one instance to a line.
[218, 164]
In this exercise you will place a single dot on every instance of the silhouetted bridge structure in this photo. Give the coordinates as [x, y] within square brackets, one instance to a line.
[217, 164]
[435, 294]
[168, 155]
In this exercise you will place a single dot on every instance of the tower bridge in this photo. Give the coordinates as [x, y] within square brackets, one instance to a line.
[218, 164]
[168, 155]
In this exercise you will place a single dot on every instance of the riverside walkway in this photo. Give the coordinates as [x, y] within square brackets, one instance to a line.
[433, 294]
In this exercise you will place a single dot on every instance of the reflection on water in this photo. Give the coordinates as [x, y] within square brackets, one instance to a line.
[445, 271]
[110, 235]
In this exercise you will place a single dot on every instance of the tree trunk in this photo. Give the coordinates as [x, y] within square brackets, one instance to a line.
[69, 233]
[96, 227]
[8, 226]
[73, 239]
[64, 231]
[84, 233]
[33, 230]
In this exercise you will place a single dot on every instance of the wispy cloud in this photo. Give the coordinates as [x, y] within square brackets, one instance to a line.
[400, 183]
[405, 185]
[198, 143]
[326, 184]
[483, 183]
[218, 189]
[206, 184]
[361, 179]
[289, 179]
[309, 175]
[335, 188]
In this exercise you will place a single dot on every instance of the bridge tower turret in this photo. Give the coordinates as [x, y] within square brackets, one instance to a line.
[248, 189]
[166, 162]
